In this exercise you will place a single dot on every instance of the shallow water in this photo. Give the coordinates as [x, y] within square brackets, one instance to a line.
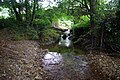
[62, 63]
[66, 66]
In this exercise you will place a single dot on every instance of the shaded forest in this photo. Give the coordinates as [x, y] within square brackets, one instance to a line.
[95, 22]
[84, 35]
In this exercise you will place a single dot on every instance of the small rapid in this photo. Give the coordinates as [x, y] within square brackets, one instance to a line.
[65, 38]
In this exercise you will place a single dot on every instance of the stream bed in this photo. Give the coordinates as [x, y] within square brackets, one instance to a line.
[25, 60]
[66, 66]
[64, 62]
[28, 60]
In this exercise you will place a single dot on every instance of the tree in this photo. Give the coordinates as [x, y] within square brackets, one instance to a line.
[27, 10]
[16, 12]
[92, 22]
[33, 12]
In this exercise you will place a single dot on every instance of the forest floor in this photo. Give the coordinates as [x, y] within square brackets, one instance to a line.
[22, 60]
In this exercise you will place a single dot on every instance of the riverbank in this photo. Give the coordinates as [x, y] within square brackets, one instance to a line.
[23, 60]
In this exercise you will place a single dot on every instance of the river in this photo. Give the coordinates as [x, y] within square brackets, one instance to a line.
[64, 63]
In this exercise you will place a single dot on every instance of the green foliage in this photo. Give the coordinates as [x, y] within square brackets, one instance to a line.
[0, 9]
[115, 38]
[83, 22]
[49, 34]
[42, 22]
[112, 26]
[20, 29]
[25, 33]
[18, 37]
[61, 49]
[82, 27]
[32, 33]
[78, 11]
[9, 22]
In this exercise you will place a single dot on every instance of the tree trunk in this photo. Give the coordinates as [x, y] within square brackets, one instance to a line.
[92, 22]
[33, 13]
[17, 14]
[86, 5]
[101, 40]
[27, 10]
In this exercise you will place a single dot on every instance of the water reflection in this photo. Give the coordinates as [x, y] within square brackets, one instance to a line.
[66, 66]
[51, 60]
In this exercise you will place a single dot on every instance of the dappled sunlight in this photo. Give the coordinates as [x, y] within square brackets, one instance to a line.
[4, 12]
[65, 24]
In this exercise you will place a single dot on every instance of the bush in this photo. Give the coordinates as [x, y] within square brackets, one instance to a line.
[7, 23]
[82, 27]
[32, 33]
[42, 22]
[83, 22]
[17, 37]
[49, 34]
